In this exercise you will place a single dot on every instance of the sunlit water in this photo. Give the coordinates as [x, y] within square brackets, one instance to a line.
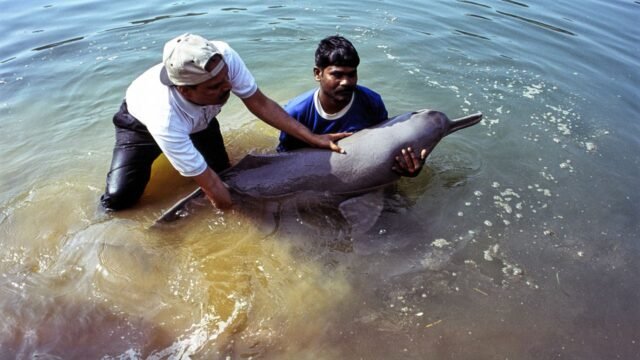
[518, 241]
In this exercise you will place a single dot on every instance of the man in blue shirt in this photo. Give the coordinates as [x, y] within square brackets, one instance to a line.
[339, 104]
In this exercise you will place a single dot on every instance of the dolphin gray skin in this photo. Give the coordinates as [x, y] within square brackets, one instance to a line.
[370, 154]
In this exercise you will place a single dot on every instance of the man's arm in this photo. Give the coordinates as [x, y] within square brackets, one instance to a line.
[273, 114]
[214, 188]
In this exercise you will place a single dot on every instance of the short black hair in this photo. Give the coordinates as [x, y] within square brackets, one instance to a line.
[336, 51]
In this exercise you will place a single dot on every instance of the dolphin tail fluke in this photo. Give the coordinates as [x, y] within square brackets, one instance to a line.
[464, 122]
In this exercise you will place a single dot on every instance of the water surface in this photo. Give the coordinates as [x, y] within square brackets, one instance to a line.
[518, 241]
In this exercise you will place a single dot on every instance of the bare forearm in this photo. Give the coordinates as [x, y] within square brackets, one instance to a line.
[214, 188]
[273, 114]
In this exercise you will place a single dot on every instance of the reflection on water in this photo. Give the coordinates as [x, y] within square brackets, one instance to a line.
[517, 240]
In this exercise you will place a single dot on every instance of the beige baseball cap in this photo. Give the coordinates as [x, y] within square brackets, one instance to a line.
[185, 58]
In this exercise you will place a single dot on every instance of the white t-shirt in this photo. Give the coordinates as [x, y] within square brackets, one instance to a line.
[171, 119]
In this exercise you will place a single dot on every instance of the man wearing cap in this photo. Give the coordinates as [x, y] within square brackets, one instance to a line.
[172, 107]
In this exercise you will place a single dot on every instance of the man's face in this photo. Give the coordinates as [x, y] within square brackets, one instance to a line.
[337, 82]
[214, 91]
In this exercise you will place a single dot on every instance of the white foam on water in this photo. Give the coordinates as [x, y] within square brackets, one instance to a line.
[206, 331]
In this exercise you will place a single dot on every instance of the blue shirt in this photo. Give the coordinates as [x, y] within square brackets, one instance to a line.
[367, 109]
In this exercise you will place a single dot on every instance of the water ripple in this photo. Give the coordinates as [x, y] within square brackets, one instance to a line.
[475, 3]
[52, 45]
[148, 21]
[537, 23]
[163, 17]
[516, 3]
[472, 34]
[479, 17]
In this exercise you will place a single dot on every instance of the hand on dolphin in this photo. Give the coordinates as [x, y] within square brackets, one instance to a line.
[408, 163]
[328, 141]
[217, 191]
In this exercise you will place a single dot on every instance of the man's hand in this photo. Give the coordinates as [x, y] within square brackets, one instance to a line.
[328, 141]
[215, 189]
[408, 163]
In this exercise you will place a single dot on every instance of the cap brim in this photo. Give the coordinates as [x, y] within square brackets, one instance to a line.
[164, 77]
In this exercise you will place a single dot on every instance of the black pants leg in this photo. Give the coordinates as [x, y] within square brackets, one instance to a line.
[134, 153]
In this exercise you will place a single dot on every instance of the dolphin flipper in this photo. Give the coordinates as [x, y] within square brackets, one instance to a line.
[363, 211]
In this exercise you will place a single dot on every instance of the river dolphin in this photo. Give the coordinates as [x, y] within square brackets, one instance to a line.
[366, 166]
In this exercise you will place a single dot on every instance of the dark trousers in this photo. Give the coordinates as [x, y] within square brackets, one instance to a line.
[134, 153]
